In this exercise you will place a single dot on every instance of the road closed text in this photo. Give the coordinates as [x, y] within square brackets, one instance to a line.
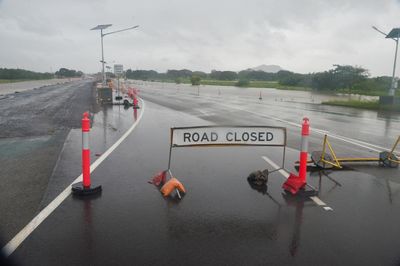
[229, 135]
[195, 137]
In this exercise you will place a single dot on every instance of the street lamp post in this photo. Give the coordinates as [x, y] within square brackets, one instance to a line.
[101, 28]
[394, 34]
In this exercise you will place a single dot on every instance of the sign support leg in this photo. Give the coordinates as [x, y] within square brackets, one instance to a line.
[170, 154]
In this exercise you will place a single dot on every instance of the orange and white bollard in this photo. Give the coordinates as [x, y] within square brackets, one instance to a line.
[85, 187]
[135, 114]
[305, 133]
[135, 102]
[295, 183]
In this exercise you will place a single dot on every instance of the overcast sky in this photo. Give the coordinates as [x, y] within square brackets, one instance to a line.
[299, 35]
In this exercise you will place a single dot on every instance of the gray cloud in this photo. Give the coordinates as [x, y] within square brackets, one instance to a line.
[303, 35]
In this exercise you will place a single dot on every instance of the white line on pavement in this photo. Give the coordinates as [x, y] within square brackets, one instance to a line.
[36, 221]
[274, 165]
[323, 132]
[317, 200]
[356, 142]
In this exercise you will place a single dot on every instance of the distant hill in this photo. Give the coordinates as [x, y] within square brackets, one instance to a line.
[267, 68]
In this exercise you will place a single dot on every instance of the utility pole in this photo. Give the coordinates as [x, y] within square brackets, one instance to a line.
[101, 28]
[394, 34]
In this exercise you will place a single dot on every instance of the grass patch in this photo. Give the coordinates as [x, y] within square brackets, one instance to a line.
[369, 105]
[254, 84]
[218, 82]
[366, 92]
[12, 80]
[251, 84]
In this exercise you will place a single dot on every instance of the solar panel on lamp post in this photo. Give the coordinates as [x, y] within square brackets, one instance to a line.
[101, 28]
[394, 34]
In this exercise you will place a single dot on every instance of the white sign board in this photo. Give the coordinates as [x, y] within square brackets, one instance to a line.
[228, 135]
[118, 69]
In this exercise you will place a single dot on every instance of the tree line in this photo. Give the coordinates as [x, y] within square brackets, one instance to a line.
[341, 78]
[22, 74]
[68, 73]
[173, 75]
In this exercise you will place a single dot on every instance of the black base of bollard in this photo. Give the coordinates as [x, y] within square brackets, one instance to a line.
[302, 194]
[79, 190]
[305, 192]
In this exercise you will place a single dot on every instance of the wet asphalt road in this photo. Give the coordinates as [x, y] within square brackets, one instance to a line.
[33, 127]
[222, 220]
[17, 87]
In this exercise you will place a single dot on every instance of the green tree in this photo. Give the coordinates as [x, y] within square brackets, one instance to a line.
[341, 77]
[290, 79]
[10, 73]
[183, 73]
[142, 74]
[223, 75]
[242, 83]
[201, 74]
[257, 75]
[228, 75]
[195, 80]
[346, 77]
[68, 73]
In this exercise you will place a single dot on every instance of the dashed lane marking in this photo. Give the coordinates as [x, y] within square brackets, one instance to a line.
[285, 174]
[274, 165]
[356, 142]
[318, 201]
[36, 221]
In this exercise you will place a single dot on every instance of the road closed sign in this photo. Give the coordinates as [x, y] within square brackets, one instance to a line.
[228, 135]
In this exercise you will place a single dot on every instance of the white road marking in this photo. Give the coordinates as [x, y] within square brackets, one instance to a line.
[356, 142]
[14, 243]
[274, 165]
[359, 143]
[323, 132]
[317, 200]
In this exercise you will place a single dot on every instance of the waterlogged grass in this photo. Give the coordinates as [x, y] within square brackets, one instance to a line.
[369, 105]
[275, 85]
[367, 92]
[218, 82]
[254, 84]
[2, 81]
[251, 84]
[263, 84]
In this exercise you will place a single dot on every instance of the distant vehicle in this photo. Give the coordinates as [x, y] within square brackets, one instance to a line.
[123, 98]
[104, 94]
